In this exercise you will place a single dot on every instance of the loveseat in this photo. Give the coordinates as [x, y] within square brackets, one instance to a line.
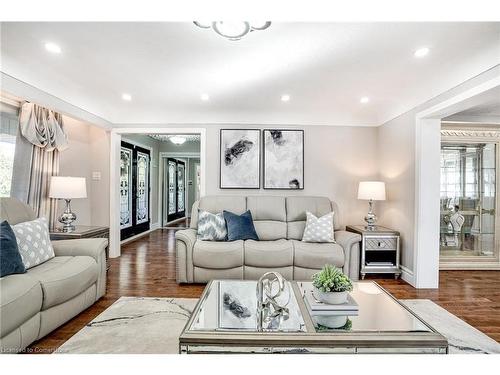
[34, 303]
[279, 223]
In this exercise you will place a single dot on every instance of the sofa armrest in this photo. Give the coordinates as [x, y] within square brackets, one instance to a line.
[184, 243]
[92, 247]
[350, 243]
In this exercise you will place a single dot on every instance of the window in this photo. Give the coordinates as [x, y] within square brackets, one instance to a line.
[8, 131]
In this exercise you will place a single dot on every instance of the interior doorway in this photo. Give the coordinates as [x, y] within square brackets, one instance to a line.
[145, 135]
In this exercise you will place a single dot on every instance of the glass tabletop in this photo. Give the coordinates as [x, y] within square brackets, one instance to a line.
[231, 305]
[377, 312]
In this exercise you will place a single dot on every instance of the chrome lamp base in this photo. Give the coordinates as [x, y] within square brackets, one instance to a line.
[370, 217]
[67, 218]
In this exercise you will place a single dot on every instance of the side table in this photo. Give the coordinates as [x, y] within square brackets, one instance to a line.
[82, 231]
[380, 251]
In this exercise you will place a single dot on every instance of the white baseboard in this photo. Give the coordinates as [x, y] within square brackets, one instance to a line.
[152, 227]
[407, 275]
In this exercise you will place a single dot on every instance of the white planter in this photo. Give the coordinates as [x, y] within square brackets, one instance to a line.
[331, 298]
[331, 321]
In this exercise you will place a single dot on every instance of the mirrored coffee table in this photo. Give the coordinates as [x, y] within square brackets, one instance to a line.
[382, 325]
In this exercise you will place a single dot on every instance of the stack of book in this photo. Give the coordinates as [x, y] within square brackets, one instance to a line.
[318, 308]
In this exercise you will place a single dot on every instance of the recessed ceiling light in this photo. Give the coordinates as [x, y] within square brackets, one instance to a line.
[127, 97]
[52, 47]
[205, 97]
[421, 52]
[285, 98]
[364, 100]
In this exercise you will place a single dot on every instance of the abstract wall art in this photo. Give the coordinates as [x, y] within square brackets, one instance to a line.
[240, 159]
[283, 159]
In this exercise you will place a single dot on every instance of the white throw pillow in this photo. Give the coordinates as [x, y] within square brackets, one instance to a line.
[319, 229]
[33, 240]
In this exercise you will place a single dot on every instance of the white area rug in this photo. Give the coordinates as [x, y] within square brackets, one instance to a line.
[462, 337]
[134, 325]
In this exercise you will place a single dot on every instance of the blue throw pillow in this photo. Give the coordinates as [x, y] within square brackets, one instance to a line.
[240, 227]
[10, 258]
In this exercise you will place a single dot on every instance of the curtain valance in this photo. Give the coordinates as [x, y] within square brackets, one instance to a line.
[42, 127]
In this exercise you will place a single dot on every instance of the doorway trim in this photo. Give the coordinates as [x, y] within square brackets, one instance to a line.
[114, 175]
[427, 183]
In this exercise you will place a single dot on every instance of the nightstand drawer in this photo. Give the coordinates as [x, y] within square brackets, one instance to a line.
[381, 243]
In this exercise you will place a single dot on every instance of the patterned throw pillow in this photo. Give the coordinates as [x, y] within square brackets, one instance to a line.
[33, 241]
[319, 229]
[211, 227]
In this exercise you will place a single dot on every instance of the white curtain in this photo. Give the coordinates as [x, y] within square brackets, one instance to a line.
[36, 160]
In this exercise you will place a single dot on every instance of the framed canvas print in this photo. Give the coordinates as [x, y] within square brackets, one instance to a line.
[240, 159]
[283, 159]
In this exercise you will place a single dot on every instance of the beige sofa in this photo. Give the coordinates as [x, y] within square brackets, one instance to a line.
[46, 296]
[280, 223]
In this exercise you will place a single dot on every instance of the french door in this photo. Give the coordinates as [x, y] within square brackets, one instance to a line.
[175, 177]
[134, 190]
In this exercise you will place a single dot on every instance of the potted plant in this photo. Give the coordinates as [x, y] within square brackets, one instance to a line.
[331, 286]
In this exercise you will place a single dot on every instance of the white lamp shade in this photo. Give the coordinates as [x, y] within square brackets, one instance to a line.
[67, 187]
[374, 190]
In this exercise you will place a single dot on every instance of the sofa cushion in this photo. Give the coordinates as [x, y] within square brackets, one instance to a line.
[33, 240]
[269, 230]
[240, 227]
[65, 277]
[316, 255]
[269, 216]
[267, 208]
[218, 203]
[297, 206]
[20, 299]
[10, 258]
[218, 255]
[268, 253]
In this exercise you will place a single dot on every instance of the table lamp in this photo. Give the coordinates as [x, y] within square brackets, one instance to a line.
[67, 188]
[371, 191]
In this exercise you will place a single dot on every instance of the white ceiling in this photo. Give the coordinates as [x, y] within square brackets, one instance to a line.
[486, 111]
[325, 68]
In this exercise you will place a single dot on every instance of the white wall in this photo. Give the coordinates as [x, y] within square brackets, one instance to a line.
[88, 151]
[336, 159]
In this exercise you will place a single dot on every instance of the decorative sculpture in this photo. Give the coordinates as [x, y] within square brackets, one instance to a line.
[270, 313]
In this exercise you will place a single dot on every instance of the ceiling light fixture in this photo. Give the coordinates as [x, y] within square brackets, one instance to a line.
[421, 52]
[52, 47]
[127, 97]
[205, 97]
[364, 100]
[177, 140]
[233, 30]
[285, 98]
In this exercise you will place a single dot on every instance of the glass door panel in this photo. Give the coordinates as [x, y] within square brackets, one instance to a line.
[125, 187]
[468, 202]
[142, 187]
[180, 187]
[175, 189]
[134, 190]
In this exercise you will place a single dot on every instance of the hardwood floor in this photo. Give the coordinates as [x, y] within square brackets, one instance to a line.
[147, 268]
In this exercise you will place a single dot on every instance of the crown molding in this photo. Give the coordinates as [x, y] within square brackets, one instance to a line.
[468, 133]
